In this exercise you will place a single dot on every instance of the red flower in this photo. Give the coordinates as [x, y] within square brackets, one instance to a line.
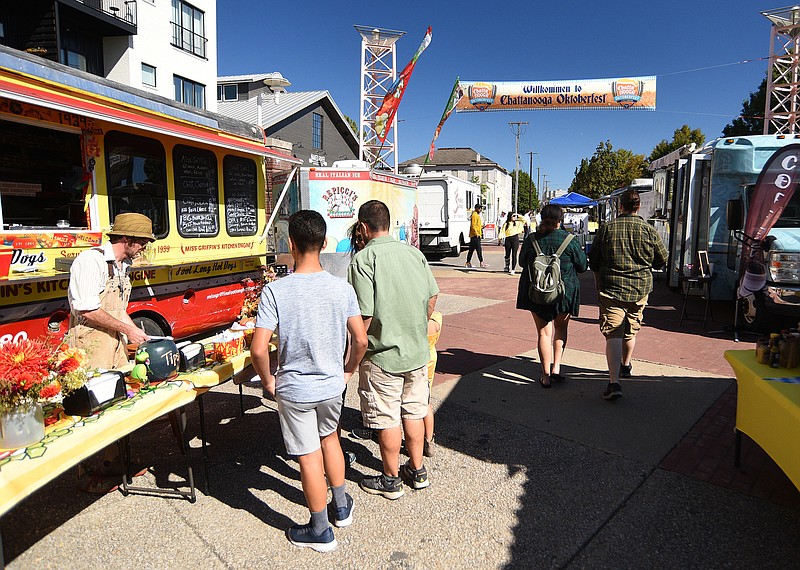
[50, 390]
[69, 365]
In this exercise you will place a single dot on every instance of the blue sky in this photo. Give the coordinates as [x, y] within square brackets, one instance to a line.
[686, 44]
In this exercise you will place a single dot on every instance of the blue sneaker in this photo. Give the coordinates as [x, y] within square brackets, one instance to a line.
[303, 535]
[343, 516]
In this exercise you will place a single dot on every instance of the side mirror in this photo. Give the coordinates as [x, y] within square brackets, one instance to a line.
[735, 214]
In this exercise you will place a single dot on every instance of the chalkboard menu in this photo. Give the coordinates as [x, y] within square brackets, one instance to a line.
[196, 191]
[241, 195]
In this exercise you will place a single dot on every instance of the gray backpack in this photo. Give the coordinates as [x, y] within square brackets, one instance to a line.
[546, 286]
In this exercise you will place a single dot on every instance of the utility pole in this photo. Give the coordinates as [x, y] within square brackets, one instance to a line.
[544, 181]
[530, 180]
[518, 125]
[538, 188]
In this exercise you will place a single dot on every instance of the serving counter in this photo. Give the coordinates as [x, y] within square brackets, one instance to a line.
[768, 409]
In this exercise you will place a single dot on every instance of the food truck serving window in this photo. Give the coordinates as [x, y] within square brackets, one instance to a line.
[196, 193]
[137, 178]
[41, 179]
[241, 195]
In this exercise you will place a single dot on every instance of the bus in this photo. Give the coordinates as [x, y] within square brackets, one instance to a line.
[77, 150]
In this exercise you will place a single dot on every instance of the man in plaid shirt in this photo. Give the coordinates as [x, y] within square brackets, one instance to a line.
[622, 256]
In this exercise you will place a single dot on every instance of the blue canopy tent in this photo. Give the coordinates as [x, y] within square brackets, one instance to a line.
[573, 200]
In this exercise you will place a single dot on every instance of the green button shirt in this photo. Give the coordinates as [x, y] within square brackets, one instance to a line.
[623, 253]
[393, 284]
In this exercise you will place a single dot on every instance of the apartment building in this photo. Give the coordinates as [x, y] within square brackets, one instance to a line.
[166, 47]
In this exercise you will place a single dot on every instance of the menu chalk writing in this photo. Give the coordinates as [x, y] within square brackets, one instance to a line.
[196, 192]
[241, 195]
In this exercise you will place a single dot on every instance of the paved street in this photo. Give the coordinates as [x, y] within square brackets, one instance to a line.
[523, 477]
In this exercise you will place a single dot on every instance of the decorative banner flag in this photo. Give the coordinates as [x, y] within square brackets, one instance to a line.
[774, 188]
[623, 93]
[385, 115]
[455, 95]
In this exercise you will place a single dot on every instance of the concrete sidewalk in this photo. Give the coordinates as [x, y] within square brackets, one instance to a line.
[523, 477]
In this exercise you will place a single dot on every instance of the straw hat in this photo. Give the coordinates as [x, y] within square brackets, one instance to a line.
[132, 225]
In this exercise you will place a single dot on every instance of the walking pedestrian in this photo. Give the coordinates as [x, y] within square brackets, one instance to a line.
[434, 330]
[397, 294]
[552, 320]
[623, 254]
[512, 229]
[314, 311]
[476, 235]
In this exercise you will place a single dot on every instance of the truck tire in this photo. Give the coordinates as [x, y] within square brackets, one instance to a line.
[455, 251]
[151, 327]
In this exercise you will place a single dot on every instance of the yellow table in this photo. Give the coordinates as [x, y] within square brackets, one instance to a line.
[768, 411]
[72, 439]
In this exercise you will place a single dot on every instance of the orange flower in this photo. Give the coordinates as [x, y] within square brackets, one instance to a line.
[50, 390]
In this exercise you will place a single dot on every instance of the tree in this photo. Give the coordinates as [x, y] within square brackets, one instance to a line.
[751, 120]
[680, 137]
[607, 170]
[524, 202]
[352, 123]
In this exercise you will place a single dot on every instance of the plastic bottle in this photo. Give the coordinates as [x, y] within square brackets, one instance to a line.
[774, 350]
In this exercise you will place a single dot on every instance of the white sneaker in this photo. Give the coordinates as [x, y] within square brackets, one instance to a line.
[512, 272]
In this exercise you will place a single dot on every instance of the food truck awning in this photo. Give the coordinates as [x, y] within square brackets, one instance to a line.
[78, 94]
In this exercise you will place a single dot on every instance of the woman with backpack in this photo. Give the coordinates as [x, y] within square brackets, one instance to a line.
[551, 311]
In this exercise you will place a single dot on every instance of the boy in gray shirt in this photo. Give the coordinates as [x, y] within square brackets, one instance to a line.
[314, 311]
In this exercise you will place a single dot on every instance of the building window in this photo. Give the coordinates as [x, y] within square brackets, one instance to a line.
[148, 75]
[74, 60]
[188, 28]
[229, 92]
[316, 130]
[189, 92]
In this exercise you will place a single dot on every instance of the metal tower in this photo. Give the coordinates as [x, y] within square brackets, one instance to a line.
[378, 72]
[783, 78]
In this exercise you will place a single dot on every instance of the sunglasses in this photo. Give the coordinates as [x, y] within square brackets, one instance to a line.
[142, 242]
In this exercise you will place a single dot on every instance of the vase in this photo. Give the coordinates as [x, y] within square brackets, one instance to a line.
[21, 426]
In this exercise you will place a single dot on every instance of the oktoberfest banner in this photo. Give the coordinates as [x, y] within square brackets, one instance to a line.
[619, 93]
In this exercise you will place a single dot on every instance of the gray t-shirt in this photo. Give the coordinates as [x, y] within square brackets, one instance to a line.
[311, 310]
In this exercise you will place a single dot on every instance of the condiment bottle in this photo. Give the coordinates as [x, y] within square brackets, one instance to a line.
[774, 350]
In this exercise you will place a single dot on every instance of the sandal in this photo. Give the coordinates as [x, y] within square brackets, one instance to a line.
[97, 484]
[542, 384]
[556, 377]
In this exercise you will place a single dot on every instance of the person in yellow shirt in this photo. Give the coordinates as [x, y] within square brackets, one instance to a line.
[512, 229]
[475, 236]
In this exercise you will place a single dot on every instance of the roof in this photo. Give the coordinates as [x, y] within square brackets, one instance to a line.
[251, 78]
[448, 157]
[290, 103]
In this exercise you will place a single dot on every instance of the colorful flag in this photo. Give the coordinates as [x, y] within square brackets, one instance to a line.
[455, 95]
[385, 115]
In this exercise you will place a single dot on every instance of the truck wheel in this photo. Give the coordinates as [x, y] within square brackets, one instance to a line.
[455, 251]
[151, 327]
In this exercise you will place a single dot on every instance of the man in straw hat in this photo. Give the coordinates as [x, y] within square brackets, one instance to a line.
[99, 290]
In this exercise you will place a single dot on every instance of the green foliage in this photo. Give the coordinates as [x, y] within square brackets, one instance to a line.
[483, 185]
[527, 200]
[680, 137]
[751, 121]
[607, 170]
[352, 123]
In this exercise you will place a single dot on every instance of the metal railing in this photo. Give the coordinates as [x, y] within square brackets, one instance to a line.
[188, 40]
[121, 9]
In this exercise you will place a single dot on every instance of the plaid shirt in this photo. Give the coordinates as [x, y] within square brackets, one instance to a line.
[623, 253]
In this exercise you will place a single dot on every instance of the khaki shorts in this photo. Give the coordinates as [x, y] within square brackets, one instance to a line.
[387, 397]
[620, 319]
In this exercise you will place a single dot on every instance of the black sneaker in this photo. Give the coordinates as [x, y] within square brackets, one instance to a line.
[349, 458]
[361, 433]
[389, 487]
[625, 371]
[303, 535]
[418, 479]
[613, 391]
[343, 516]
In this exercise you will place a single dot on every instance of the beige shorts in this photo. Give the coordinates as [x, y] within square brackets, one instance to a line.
[620, 319]
[387, 397]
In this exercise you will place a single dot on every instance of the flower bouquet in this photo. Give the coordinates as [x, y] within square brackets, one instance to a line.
[25, 380]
